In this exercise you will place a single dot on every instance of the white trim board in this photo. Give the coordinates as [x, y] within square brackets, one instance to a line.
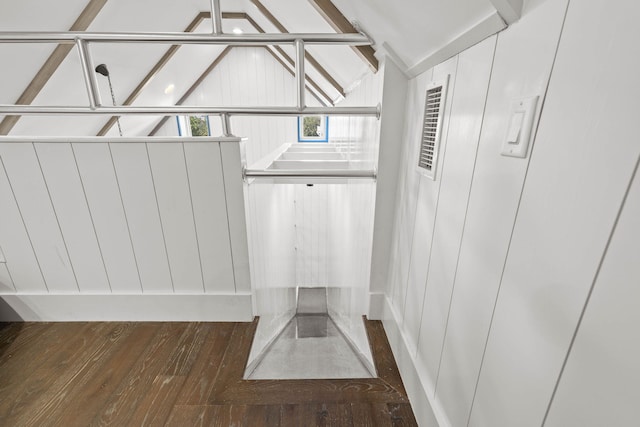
[509, 10]
[123, 307]
[426, 408]
[489, 26]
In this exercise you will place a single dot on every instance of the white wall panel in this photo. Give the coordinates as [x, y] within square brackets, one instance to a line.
[599, 385]
[16, 244]
[407, 196]
[138, 194]
[392, 120]
[6, 282]
[24, 174]
[207, 192]
[522, 64]
[231, 154]
[173, 194]
[566, 213]
[250, 76]
[465, 120]
[61, 174]
[109, 219]
[426, 214]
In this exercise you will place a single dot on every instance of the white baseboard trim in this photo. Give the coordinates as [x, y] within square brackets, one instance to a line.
[376, 305]
[123, 307]
[426, 408]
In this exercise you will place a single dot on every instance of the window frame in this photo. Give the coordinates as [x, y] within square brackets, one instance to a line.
[186, 121]
[324, 122]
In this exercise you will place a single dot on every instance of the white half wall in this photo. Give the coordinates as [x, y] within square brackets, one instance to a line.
[85, 217]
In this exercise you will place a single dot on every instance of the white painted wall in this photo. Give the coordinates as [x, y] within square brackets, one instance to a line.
[493, 261]
[249, 77]
[108, 219]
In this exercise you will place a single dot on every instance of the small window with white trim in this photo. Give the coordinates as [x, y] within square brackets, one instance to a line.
[313, 128]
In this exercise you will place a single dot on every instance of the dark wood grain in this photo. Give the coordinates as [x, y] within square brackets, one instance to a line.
[79, 404]
[401, 414]
[199, 382]
[75, 341]
[385, 364]
[137, 384]
[190, 415]
[177, 374]
[341, 24]
[290, 415]
[312, 60]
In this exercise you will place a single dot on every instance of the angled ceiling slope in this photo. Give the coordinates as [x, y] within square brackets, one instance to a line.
[47, 90]
[418, 34]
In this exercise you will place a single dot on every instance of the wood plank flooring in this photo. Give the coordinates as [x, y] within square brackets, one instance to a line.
[177, 374]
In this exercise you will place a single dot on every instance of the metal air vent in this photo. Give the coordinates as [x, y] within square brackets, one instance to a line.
[431, 127]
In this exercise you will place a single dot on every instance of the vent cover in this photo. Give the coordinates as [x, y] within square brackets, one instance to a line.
[430, 137]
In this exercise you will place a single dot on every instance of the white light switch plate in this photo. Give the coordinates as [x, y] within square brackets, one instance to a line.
[520, 123]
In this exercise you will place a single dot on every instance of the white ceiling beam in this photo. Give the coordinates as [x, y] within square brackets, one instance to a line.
[509, 10]
[483, 29]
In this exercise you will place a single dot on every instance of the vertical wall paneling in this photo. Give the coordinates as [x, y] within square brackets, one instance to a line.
[603, 358]
[24, 174]
[17, 247]
[6, 282]
[407, 196]
[466, 114]
[138, 194]
[171, 184]
[249, 76]
[207, 192]
[394, 95]
[522, 65]
[232, 160]
[426, 213]
[566, 213]
[67, 195]
[102, 191]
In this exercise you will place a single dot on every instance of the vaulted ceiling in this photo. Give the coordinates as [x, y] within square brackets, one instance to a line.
[411, 31]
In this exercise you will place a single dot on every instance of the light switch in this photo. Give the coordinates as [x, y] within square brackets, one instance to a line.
[515, 127]
[521, 116]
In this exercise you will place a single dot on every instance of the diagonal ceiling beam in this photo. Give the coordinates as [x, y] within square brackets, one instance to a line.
[312, 60]
[309, 81]
[206, 73]
[193, 87]
[154, 71]
[341, 24]
[52, 63]
[174, 48]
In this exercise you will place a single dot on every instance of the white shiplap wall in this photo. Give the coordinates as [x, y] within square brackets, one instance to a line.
[493, 261]
[249, 76]
[93, 218]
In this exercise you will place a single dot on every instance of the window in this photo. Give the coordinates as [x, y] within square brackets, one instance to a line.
[193, 126]
[313, 129]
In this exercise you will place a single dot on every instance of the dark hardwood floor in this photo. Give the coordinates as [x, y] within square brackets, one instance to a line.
[177, 374]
